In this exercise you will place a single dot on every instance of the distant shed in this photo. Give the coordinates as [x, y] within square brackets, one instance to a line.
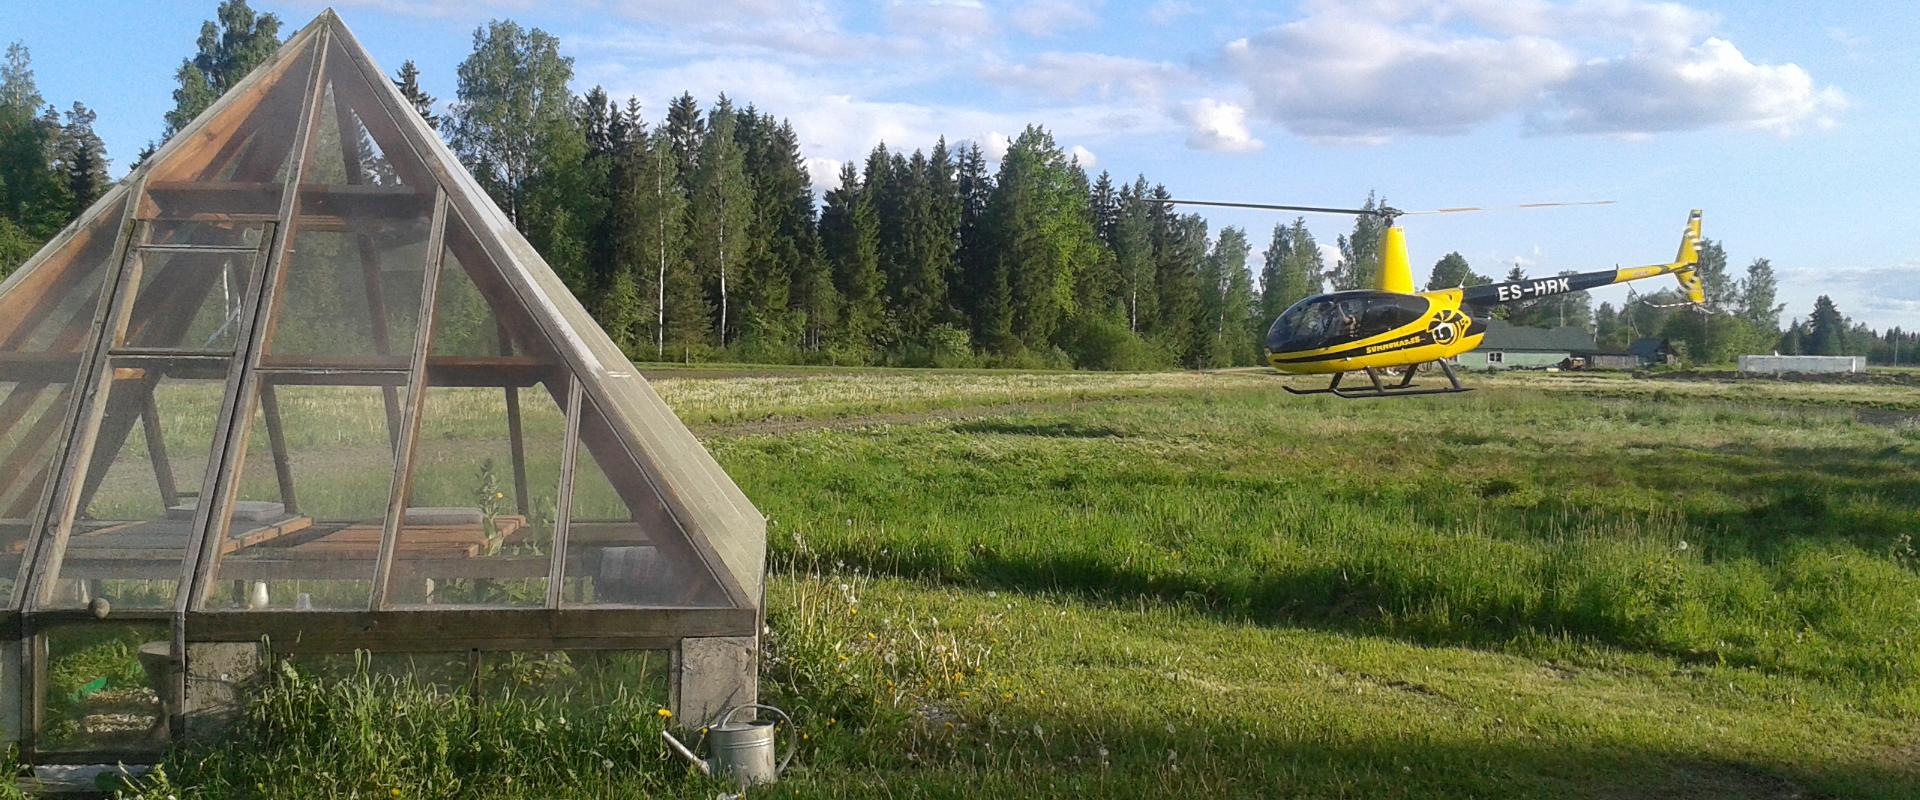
[1508, 346]
[1777, 364]
[1653, 351]
[1613, 361]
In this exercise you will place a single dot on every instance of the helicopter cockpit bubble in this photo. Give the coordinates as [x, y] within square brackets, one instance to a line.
[1340, 317]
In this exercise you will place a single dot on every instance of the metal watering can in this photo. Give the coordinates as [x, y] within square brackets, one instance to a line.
[744, 750]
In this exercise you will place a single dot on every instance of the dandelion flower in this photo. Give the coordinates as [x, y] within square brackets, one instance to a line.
[664, 713]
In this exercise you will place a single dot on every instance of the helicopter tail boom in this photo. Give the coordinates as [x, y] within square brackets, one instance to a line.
[1682, 268]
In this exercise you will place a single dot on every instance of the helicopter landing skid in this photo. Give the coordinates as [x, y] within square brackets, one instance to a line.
[1381, 388]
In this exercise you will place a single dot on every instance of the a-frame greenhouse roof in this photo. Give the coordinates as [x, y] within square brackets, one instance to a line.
[298, 375]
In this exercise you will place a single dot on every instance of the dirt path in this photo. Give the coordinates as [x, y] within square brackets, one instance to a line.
[774, 427]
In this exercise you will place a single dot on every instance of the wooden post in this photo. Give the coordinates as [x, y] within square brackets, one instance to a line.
[401, 487]
[277, 442]
[157, 447]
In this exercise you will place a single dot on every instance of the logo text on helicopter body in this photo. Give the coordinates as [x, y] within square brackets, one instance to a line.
[1411, 340]
[1534, 289]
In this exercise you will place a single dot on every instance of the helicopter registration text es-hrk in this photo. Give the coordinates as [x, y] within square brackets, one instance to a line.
[1540, 287]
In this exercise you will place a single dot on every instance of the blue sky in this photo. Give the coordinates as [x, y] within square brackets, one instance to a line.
[1790, 124]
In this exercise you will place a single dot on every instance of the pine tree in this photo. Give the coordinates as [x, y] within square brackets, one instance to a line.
[928, 243]
[1826, 329]
[1793, 342]
[1175, 272]
[229, 47]
[978, 292]
[720, 211]
[81, 159]
[408, 82]
[790, 297]
[850, 240]
[1273, 264]
[686, 130]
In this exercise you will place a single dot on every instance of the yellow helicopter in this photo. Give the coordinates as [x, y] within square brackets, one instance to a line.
[1393, 327]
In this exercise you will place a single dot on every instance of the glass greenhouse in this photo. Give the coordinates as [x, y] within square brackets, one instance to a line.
[298, 380]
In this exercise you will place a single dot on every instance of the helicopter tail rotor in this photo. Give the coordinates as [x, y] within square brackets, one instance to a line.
[1687, 259]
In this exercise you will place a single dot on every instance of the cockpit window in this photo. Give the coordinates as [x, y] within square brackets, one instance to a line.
[1332, 319]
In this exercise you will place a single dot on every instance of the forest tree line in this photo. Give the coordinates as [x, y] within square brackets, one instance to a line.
[697, 235]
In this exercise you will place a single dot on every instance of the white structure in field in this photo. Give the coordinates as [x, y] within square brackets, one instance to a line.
[1777, 364]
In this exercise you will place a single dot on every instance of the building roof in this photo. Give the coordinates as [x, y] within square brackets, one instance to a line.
[310, 278]
[1649, 348]
[1504, 336]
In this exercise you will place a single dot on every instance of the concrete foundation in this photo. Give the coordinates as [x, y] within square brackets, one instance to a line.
[217, 674]
[12, 709]
[712, 675]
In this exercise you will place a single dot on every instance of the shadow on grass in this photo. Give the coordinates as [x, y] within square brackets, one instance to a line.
[1049, 430]
[1016, 753]
[1803, 507]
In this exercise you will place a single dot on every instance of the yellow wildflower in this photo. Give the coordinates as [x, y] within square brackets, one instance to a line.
[664, 713]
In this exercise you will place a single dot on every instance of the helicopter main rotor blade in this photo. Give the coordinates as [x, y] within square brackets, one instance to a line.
[1272, 207]
[1469, 209]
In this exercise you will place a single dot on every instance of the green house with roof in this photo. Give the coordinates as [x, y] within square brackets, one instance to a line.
[1508, 346]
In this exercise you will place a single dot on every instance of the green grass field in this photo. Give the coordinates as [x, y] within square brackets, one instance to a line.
[1048, 585]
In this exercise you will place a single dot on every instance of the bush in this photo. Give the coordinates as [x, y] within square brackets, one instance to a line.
[1105, 344]
[949, 347]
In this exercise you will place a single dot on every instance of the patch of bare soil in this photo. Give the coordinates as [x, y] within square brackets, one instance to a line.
[784, 426]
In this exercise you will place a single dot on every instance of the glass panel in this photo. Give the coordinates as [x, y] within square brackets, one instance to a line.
[352, 290]
[311, 501]
[348, 297]
[368, 145]
[478, 528]
[142, 484]
[104, 687]
[623, 548]
[249, 140]
[464, 323]
[206, 234]
[190, 301]
[46, 321]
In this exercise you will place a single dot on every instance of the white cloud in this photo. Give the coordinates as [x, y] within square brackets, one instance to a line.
[1370, 70]
[1706, 86]
[994, 145]
[1341, 75]
[1067, 76]
[954, 21]
[1088, 161]
[1880, 296]
[1167, 12]
[1214, 125]
[1053, 17]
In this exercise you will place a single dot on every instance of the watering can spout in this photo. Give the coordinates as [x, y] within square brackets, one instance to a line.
[704, 767]
[743, 751]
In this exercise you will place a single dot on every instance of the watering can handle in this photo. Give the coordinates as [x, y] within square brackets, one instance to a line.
[792, 747]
